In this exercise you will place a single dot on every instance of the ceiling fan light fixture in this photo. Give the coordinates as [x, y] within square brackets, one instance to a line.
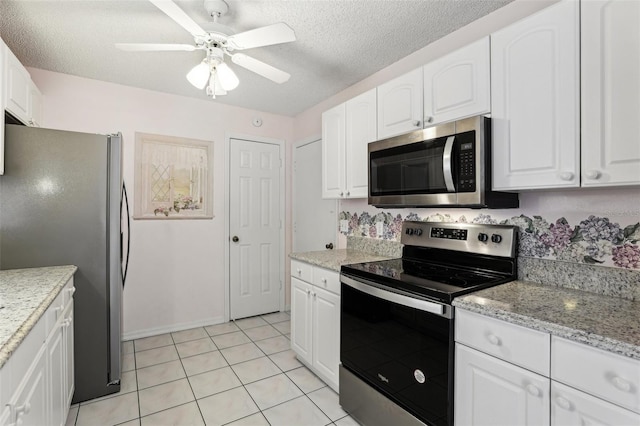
[228, 79]
[199, 75]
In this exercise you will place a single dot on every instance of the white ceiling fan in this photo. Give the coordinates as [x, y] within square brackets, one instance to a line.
[219, 41]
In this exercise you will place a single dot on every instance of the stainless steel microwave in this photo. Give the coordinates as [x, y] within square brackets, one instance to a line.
[445, 165]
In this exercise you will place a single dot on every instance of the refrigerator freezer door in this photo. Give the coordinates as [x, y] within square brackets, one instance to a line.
[54, 210]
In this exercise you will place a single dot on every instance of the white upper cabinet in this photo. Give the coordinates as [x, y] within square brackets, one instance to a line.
[458, 84]
[346, 131]
[535, 100]
[400, 105]
[35, 99]
[17, 88]
[610, 92]
[333, 152]
[360, 130]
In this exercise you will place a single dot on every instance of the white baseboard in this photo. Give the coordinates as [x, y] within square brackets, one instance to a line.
[139, 334]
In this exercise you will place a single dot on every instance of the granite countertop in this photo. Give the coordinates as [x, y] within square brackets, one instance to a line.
[605, 322]
[26, 294]
[334, 259]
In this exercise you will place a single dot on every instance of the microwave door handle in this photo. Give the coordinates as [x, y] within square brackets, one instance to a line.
[446, 164]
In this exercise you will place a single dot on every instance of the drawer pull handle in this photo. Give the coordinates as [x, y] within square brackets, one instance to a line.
[563, 403]
[621, 384]
[23, 409]
[533, 390]
[494, 340]
[72, 290]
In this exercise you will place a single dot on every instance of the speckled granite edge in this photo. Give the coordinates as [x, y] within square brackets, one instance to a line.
[391, 249]
[607, 281]
[607, 323]
[334, 259]
[26, 294]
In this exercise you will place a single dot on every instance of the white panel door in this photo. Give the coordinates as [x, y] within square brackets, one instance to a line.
[570, 407]
[610, 37]
[301, 320]
[333, 162]
[314, 218]
[535, 100]
[458, 85]
[326, 334]
[400, 105]
[254, 223]
[489, 391]
[361, 129]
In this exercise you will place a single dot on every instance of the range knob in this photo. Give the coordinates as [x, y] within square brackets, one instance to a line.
[495, 238]
[482, 237]
[418, 232]
[409, 231]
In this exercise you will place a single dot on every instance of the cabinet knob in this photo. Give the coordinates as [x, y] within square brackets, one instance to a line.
[324, 280]
[348, 193]
[329, 246]
[416, 123]
[566, 176]
[563, 403]
[314, 295]
[494, 340]
[299, 271]
[341, 194]
[621, 384]
[235, 239]
[533, 390]
[308, 292]
[428, 119]
[593, 174]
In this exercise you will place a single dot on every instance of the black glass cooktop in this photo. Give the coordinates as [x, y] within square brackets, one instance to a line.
[432, 280]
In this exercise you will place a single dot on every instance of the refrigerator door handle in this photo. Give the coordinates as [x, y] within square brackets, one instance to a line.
[124, 199]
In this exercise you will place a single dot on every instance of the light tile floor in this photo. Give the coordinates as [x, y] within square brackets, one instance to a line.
[239, 373]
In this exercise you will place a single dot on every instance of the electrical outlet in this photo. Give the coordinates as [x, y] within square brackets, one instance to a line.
[344, 225]
[379, 229]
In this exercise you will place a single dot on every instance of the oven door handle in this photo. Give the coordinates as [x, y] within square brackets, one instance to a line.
[446, 164]
[410, 301]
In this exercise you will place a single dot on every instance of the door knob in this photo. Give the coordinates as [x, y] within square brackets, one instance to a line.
[329, 246]
[235, 239]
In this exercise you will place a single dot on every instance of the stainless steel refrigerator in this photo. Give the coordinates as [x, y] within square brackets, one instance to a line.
[60, 204]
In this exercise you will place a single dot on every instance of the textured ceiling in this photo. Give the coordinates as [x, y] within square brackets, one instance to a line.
[339, 42]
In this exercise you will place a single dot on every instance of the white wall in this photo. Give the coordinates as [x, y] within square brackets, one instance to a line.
[176, 275]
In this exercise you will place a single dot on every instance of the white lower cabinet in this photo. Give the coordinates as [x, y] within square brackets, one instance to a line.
[315, 320]
[576, 385]
[37, 381]
[489, 391]
[572, 407]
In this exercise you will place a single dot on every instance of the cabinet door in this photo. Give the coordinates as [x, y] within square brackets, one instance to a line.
[458, 84]
[301, 319]
[572, 407]
[18, 94]
[326, 335]
[610, 92]
[489, 391]
[30, 402]
[56, 370]
[69, 361]
[361, 129]
[535, 101]
[333, 151]
[400, 105]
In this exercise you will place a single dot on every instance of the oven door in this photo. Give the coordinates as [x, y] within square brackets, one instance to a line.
[399, 345]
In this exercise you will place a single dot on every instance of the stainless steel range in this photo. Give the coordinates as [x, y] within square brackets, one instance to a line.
[396, 329]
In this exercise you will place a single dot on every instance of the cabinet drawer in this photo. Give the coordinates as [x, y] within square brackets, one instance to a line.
[513, 343]
[326, 279]
[609, 376]
[302, 271]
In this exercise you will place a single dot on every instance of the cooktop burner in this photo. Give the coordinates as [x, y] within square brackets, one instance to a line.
[445, 260]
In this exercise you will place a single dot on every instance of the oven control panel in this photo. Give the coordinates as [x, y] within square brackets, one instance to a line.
[495, 240]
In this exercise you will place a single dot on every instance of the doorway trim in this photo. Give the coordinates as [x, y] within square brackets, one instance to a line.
[227, 225]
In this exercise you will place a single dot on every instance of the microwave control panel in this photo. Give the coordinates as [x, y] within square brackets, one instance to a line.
[467, 163]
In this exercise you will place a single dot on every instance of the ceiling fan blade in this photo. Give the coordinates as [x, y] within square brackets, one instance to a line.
[259, 67]
[174, 12]
[263, 36]
[154, 47]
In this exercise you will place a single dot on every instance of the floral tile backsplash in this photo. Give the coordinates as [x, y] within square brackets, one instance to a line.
[593, 240]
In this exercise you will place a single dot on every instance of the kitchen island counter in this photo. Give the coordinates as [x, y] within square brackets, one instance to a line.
[26, 294]
[604, 322]
[334, 259]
